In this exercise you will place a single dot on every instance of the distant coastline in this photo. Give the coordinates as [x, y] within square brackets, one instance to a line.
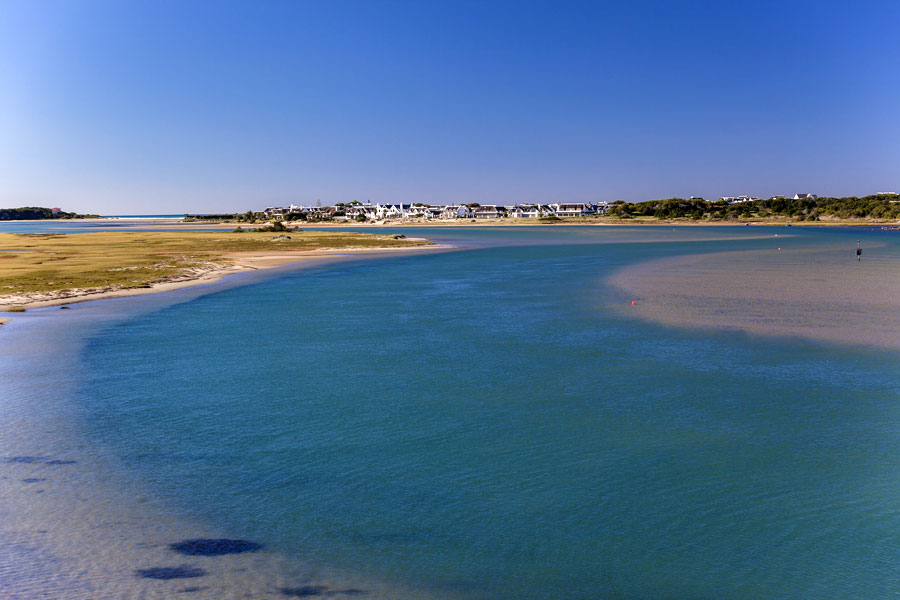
[875, 209]
[168, 222]
[801, 208]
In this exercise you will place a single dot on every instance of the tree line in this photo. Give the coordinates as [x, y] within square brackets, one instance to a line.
[35, 213]
[876, 206]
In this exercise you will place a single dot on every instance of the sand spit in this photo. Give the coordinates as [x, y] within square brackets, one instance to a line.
[204, 273]
[816, 293]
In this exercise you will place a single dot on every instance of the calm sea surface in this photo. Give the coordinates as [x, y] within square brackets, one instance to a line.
[486, 424]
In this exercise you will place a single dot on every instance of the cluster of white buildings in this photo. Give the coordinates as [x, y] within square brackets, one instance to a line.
[385, 212]
[740, 199]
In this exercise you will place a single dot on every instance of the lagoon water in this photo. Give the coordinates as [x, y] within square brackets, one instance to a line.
[492, 423]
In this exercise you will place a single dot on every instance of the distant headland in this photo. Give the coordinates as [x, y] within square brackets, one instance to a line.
[37, 213]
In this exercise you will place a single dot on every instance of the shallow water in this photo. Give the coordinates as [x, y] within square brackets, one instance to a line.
[490, 424]
[75, 523]
[485, 424]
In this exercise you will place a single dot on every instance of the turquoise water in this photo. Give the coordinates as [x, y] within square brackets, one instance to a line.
[484, 424]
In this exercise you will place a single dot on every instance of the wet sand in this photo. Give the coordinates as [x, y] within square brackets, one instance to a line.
[814, 293]
[75, 524]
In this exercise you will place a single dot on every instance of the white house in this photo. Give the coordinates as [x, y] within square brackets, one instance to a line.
[572, 209]
[434, 212]
[317, 211]
[456, 212]
[391, 211]
[488, 211]
[354, 210]
[526, 211]
[805, 196]
[416, 211]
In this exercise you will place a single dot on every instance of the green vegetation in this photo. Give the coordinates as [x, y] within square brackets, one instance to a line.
[878, 206]
[248, 217]
[36, 213]
[275, 227]
[124, 260]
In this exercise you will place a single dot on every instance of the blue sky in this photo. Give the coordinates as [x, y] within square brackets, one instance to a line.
[173, 106]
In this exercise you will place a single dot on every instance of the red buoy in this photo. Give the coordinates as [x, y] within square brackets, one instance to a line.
[633, 302]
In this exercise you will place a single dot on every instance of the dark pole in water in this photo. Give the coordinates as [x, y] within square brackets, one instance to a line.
[858, 251]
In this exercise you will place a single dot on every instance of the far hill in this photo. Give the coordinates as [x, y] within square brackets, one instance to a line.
[37, 213]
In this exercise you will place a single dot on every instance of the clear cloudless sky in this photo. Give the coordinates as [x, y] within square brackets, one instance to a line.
[177, 106]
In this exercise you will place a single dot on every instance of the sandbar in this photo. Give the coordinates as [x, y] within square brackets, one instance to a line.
[819, 293]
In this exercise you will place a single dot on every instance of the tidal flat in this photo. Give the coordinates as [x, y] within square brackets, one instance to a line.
[819, 292]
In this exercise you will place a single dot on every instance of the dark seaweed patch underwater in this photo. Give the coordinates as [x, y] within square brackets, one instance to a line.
[214, 547]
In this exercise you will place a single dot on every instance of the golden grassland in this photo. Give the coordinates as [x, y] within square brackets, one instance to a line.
[125, 260]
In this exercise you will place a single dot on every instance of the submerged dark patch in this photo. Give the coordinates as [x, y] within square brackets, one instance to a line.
[305, 591]
[30, 460]
[24, 459]
[170, 573]
[309, 591]
[34, 479]
[213, 547]
[188, 590]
